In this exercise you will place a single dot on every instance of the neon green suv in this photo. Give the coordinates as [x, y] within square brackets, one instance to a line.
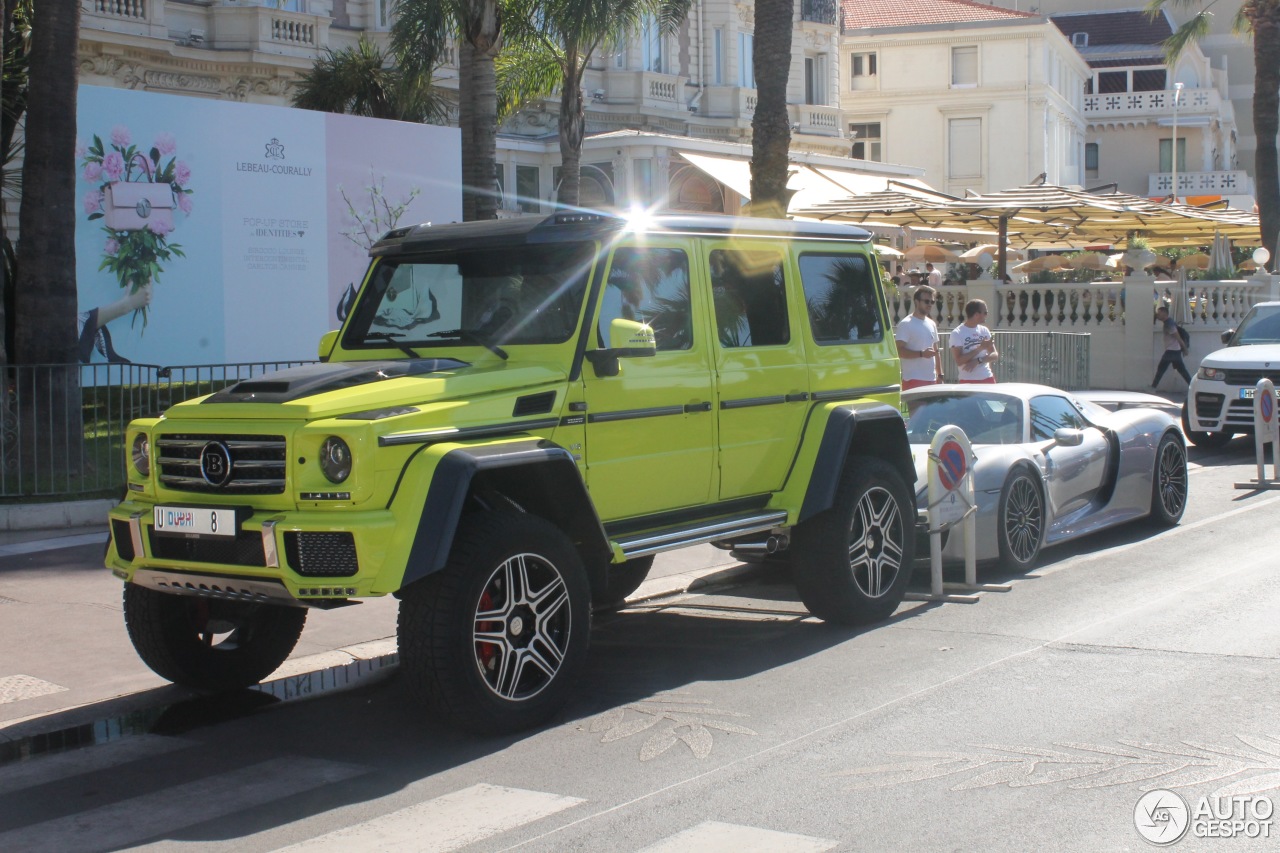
[515, 418]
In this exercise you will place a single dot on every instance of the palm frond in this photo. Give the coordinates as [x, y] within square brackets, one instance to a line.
[526, 75]
[1242, 24]
[422, 32]
[1195, 29]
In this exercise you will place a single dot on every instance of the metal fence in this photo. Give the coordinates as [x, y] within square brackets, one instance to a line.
[62, 427]
[1060, 359]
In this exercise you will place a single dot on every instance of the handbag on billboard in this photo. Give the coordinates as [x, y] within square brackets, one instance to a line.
[135, 205]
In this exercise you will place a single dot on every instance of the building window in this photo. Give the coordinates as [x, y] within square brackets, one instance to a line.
[866, 141]
[1091, 158]
[651, 45]
[1149, 80]
[383, 14]
[642, 180]
[1110, 82]
[746, 64]
[717, 70]
[964, 148]
[500, 183]
[1166, 161]
[527, 181]
[964, 66]
[862, 65]
[815, 79]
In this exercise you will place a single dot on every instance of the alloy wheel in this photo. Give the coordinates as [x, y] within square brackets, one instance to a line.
[522, 625]
[875, 542]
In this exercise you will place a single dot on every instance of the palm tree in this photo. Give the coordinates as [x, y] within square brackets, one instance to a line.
[15, 38]
[420, 39]
[770, 126]
[1262, 19]
[45, 299]
[548, 45]
[358, 80]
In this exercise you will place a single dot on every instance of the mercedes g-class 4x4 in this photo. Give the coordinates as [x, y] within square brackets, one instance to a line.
[514, 419]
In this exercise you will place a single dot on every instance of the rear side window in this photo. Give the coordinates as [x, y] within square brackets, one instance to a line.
[840, 293]
[749, 292]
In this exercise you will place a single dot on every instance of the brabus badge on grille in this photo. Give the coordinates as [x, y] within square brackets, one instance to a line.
[215, 464]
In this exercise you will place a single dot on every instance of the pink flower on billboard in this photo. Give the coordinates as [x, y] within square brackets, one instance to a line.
[137, 194]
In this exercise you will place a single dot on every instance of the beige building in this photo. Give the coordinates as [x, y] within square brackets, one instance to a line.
[983, 98]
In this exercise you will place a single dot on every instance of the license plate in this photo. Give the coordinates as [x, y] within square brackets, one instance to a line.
[201, 521]
[1247, 393]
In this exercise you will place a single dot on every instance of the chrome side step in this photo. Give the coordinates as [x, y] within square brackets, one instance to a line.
[653, 542]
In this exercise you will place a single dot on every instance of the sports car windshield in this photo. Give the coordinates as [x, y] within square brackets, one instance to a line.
[491, 298]
[985, 419]
[1261, 326]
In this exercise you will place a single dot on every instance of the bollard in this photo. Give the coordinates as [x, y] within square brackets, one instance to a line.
[1266, 431]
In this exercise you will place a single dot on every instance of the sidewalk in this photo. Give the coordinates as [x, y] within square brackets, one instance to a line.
[68, 661]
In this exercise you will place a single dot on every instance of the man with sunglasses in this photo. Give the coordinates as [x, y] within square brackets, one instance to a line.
[917, 339]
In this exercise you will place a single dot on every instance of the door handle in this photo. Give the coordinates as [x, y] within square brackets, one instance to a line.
[690, 408]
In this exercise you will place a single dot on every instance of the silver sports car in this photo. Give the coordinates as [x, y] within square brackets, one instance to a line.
[1050, 465]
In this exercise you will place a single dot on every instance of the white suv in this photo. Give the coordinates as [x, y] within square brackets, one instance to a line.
[1220, 399]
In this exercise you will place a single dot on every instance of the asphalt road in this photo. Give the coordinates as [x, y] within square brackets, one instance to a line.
[1034, 719]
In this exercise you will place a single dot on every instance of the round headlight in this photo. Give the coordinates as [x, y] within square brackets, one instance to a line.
[1212, 373]
[141, 454]
[335, 459]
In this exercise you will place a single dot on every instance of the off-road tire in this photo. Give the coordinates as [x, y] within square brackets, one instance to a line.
[179, 637]
[1020, 520]
[874, 516]
[454, 659]
[1169, 482]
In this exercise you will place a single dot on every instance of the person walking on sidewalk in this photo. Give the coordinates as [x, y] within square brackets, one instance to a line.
[917, 339]
[973, 347]
[1173, 348]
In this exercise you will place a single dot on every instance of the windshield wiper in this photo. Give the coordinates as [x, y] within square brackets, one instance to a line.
[474, 337]
[392, 338]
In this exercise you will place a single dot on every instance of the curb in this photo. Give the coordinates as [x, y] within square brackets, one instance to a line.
[55, 517]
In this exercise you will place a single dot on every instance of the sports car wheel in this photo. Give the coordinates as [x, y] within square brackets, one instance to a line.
[494, 640]
[852, 563]
[1207, 440]
[1169, 482]
[1020, 520]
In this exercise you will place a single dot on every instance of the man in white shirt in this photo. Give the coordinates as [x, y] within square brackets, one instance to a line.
[973, 347]
[917, 340]
[935, 277]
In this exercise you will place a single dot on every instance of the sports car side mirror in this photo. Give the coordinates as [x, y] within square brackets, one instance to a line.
[1069, 437]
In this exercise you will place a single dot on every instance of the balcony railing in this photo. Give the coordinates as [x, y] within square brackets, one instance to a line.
[1151, 104]
[816, 119]
[729, 102]
[129, 10]
[643, 88]
[820, 12]
[268, 30]
[1200, 183]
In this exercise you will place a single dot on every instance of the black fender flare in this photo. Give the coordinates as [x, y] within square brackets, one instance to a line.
[856, 429]
[539, 476]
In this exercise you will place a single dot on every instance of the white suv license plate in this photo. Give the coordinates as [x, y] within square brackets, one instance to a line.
[201, 521]
[1247, 393]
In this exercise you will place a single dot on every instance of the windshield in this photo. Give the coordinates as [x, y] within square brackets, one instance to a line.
[986, 419]
[1261, 326]
[493, 297]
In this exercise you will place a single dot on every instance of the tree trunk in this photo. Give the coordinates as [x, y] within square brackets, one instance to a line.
[573, 123]
[479, 84]
[1266, 117]
[770, 126]
[45, 300]
[467, 125]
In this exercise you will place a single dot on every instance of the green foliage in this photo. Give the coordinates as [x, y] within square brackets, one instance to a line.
[364, 81]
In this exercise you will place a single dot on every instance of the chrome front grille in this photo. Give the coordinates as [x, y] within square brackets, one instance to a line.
[257, 463]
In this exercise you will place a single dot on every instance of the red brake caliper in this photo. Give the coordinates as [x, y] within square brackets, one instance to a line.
[486, 652]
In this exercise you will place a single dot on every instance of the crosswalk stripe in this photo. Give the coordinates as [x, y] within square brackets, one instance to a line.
[445, 823]
[716, 837]
[126, 823]
[42, 770]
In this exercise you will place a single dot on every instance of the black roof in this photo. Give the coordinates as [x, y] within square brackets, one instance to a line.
[1128, 27]
[571, 226]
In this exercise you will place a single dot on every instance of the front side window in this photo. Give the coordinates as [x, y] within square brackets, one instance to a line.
[1050, 414]
[525, 295]
[749, 292]
[964, 66]
[840, 293]
[650, 286]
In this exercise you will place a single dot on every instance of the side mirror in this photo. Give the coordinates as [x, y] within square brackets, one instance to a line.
[327, 342]
[1067, 437]
[627, 339]
[1226, 336]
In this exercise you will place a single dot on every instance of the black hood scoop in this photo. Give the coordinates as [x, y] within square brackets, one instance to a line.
[294, 383]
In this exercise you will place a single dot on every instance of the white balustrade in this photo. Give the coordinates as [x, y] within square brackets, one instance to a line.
[133, 10]
[1064, 306]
